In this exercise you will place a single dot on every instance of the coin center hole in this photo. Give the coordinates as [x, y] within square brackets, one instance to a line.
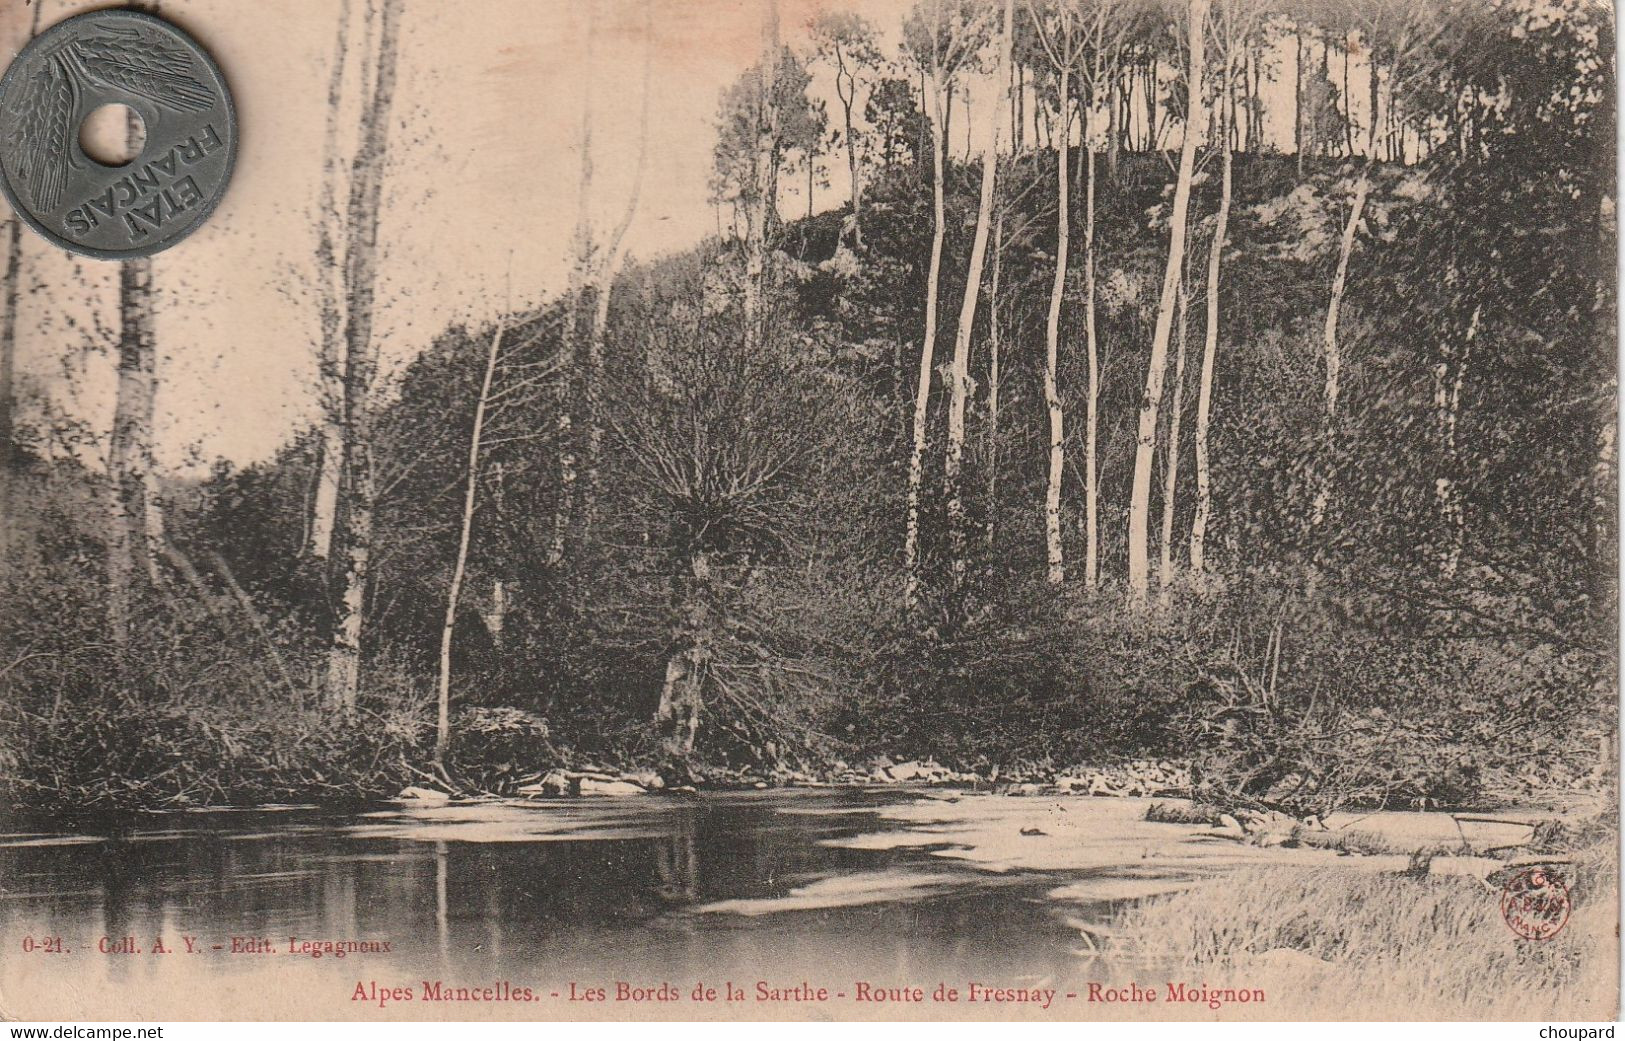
[113, 135]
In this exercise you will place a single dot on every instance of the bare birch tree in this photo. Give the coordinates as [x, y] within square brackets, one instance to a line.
[1235, 27]
[361, 360]
[612, 256]
[1393, 28]
[1057, 26]
[959, 372]
[136, 532]
[941, 37]
[442, 731]
[593, 267]
[575, 293]
[1109, 27]
[1449, 376]
[761, 203]
[1170, 480]
[330, 309]
[995, 345]
[1150, 404]
[847, 39]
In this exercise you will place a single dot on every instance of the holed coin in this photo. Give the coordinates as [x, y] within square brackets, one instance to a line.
[161, 195]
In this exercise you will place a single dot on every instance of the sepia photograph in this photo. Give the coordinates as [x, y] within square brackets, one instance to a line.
[1030, 511]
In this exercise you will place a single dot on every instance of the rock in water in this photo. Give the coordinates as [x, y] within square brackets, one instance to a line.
[553, 783]
[416, 794]
[646, 779]
[593, 786]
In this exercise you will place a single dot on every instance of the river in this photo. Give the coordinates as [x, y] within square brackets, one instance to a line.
[627, 907]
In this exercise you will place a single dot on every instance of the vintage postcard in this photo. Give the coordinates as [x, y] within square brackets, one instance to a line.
[1018, 510]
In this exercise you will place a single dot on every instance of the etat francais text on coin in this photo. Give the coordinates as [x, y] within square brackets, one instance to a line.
[161, 195]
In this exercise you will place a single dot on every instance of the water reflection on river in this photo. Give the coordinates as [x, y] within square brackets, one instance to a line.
[726, 887]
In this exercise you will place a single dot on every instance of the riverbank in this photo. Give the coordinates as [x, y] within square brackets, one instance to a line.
[1329, 940]
[1387, 914]
[82, 756]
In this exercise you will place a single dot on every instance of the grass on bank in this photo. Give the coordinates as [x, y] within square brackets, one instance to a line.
[1371, 945]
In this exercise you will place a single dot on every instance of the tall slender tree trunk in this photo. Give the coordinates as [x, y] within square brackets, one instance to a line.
[9, 454]
[1018, 102]
[1170, 479]
[1152, 123]
[578, 289]
[1255, 124]
[995, 346]
[1210, 346]
[1037, 108]
[927, 101]
[968, 127]
[1331, 349]
[1325, 109]
[1114, 132]
[1390, 149]
[1348, 98]
[1139, 571]
[442, 731]
[922, 395]
[324, 505]
[960, 386]
[330, 366]
[1375, 96]
[137, 528]
[1052, 338]
[150, 517]
[1449, 376]
[1126, 95]
[848, 96]
[1300, 134]
[765, 178]
[1091, 419]
[608, 269]
[682, 692]
[361, 364]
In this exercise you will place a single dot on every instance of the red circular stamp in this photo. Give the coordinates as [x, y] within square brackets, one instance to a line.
[1535, 903]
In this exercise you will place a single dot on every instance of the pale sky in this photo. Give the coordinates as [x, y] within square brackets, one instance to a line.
[481, 194]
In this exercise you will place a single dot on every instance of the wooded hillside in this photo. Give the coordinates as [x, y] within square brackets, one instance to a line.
[1133, 435]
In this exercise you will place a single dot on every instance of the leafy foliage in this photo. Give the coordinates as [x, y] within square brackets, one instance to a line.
[750, 503]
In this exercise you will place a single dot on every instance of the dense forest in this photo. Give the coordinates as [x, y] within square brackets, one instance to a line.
[1137, 434]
